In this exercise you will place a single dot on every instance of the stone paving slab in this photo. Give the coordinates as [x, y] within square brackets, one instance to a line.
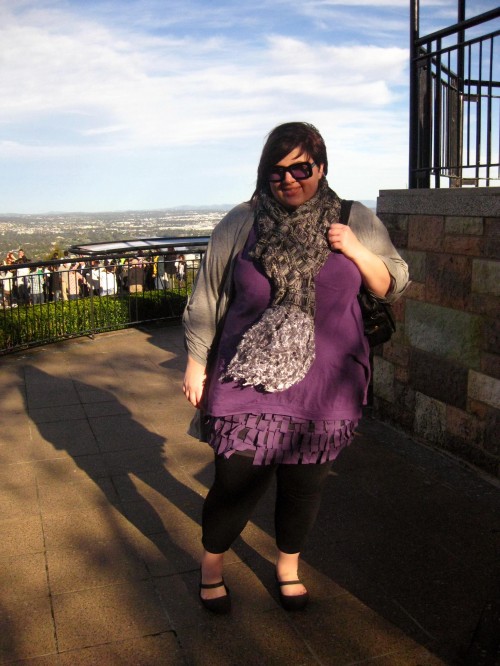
[101, 493]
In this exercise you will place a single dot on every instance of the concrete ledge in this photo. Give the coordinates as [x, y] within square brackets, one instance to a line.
[473, 202]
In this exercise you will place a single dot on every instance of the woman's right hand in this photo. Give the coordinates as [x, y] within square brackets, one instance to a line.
[194, 381]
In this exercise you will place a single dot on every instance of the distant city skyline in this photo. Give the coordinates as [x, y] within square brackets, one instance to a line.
[39, 235]
[153, 104]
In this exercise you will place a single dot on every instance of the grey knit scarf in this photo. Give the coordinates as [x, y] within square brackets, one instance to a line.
[278, 350]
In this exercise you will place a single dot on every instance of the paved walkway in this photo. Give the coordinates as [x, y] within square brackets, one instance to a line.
[101, 492]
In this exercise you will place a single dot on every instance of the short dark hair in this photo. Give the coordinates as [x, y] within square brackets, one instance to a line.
[281, 141]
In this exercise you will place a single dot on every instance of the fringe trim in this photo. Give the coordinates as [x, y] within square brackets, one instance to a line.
[279, 439]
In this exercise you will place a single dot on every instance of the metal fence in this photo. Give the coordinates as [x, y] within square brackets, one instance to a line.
[47, 301]
[455, 102]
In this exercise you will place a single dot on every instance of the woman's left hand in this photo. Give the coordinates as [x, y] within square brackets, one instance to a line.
[343, 239]
[373, 271]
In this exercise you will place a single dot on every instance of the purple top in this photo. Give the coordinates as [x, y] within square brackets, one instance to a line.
[336, 384]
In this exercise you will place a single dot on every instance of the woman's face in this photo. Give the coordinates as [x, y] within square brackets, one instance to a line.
[293, 193]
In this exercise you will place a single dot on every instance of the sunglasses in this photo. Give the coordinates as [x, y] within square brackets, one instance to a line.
[298, 171]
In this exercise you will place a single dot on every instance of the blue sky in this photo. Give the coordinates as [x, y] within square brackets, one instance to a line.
[142, 104]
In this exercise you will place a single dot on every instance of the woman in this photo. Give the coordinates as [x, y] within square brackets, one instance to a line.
[180, 268]
[278, 363]
[135, 276]
[7, 281]
[37, 280]
[107, 280]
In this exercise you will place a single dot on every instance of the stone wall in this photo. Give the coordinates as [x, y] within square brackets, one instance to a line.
[439, 377]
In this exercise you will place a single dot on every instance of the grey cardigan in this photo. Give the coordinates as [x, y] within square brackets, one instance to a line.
[212, 289]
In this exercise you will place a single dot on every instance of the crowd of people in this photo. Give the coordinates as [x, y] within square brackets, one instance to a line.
[68, 278]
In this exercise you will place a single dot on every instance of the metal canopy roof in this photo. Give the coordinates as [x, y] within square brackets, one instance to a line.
[183, 244]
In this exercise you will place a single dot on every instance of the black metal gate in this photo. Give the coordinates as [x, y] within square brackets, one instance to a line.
[455, 101]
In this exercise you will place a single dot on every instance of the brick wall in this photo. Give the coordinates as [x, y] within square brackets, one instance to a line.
[439, 377]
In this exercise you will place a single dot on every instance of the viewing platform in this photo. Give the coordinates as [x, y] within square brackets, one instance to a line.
[101, 494]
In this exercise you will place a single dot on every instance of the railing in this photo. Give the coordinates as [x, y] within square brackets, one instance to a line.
[455, 103]
[81, 296]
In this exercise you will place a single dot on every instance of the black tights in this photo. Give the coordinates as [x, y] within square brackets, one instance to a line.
[238, 486]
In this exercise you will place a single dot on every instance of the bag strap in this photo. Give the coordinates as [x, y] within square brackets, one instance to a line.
[345, 211]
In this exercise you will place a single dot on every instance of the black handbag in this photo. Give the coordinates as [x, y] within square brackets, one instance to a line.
[378, 318]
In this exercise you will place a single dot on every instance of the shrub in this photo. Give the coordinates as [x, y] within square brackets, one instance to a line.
[32, 325]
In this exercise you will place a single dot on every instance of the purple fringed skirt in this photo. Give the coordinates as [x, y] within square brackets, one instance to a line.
[272, 438]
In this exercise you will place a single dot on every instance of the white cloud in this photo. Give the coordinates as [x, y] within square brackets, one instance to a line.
[78, 84]
[319, 4]
[140, 90]
[351, 65]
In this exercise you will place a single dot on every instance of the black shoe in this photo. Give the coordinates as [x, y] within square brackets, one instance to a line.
[295, 602]
[219, 605]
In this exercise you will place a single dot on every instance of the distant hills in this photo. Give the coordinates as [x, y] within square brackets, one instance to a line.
[112, 213]
[369, 203]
